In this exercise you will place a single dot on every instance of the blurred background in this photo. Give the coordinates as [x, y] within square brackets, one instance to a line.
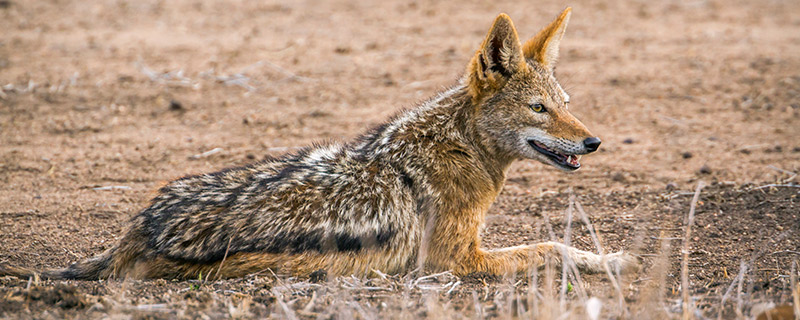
[674, 88]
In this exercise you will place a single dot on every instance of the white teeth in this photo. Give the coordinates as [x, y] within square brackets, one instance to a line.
[573, 159]
[559, 157]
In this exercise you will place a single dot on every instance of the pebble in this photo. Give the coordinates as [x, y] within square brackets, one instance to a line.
[175, 105]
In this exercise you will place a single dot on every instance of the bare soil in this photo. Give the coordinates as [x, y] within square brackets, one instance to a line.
[103, 102]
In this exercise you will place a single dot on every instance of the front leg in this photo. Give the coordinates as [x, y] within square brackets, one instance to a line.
[455, 244]
[453, 241]
[521, 259]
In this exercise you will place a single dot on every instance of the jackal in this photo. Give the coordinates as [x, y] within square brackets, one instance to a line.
[412, 192]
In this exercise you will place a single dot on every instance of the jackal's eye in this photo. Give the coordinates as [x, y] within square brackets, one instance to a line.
[538, 107]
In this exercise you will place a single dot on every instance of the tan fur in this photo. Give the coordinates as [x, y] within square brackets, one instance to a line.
[502, 32]
[412, 192]
[543, 48]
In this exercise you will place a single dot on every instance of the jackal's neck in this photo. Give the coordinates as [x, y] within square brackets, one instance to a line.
[441, 125]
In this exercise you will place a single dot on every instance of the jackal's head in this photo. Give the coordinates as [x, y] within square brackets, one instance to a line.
[521, 110]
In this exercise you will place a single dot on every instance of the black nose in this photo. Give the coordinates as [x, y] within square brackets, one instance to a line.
[592, 144]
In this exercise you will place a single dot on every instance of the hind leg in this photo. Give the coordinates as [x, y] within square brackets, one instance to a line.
[238, 265]
[303, 264]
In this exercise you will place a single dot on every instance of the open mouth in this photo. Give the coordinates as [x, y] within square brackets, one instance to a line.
[566, 161]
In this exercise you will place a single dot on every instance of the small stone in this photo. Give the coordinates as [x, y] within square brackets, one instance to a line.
[705, 169]
[671, 186]
[687, 155]
[618, 177]
[175, 105]
[343, 50]
[627, 141]
[387, 80]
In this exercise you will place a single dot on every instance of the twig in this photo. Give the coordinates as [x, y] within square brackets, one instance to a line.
[380, 274]
[795, 290]
[601, 251]
[286, 310]
[207, 153]
[739, 301]
[533, 291]
[478, 310]
[687, 309]
[774, 185]
[161, 307]
[792, 175]
[112, 188]
[455, 285]
[568, 264]
[357, 306]
[237, 80]
[673, 120]
[227, 249]
[565, 258]
[376, 288]
[169, 78]
[310, 305]
[287, 73]
[785, 251]
[737, 280]
[585, 219]
[676, 194]
[420, 279]
[617, 288]
[665, 238]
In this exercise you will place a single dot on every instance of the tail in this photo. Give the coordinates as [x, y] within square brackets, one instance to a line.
[93, 268]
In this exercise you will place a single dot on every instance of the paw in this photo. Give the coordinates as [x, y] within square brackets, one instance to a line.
[622, 262]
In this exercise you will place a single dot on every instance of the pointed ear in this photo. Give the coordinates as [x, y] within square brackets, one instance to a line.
[543, 48]
[499, 57]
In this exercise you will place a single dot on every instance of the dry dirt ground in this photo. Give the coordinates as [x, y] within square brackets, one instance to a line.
[103, 101]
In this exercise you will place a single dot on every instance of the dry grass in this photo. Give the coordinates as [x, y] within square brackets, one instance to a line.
[548, 293]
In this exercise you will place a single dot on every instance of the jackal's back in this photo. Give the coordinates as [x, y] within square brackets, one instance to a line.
[319, 200]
